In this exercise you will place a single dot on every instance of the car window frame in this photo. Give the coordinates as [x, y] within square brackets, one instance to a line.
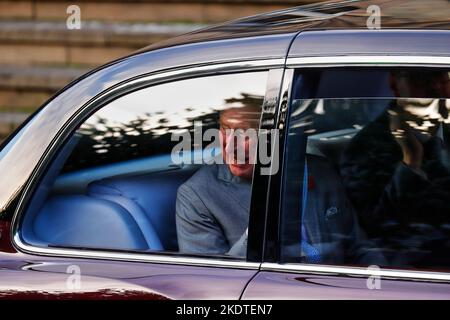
[271, 259]
[271, 66]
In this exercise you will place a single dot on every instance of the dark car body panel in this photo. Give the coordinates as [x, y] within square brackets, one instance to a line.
[335, 287]
[24, 275]
[264, 37]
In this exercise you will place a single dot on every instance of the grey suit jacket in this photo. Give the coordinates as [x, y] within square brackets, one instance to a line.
[212, 214]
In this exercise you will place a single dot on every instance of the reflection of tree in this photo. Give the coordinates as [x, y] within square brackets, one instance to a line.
[247, 100]
[114, 142]
[344, 113]
[105, 142]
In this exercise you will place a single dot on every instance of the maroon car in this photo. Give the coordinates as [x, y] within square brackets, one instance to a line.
[352, 202]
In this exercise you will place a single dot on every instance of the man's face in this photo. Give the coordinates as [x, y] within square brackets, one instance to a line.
[238, 133]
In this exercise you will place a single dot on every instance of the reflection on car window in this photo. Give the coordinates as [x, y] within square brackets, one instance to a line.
[147, 172]
[375, 182]
[141, 124]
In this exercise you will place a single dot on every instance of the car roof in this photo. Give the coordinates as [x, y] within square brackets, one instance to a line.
[334, 43]
[330, 15]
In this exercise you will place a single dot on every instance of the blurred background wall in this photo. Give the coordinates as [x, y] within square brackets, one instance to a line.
[39, 54]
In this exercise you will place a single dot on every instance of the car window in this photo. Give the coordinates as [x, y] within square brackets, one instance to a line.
[155, 170]
[367, 168]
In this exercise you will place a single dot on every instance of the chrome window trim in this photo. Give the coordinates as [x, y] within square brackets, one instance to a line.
[156, 78]
[152, 257]
[371, 61]
[366, 61]
[357, 271]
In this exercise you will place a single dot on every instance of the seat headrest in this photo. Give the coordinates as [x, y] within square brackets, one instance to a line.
[152, 194]
[82, 221]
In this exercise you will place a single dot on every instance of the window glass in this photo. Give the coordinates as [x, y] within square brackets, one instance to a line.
[156, 170]
[367, 173]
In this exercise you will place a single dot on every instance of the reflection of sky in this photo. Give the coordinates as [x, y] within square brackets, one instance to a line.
[176, 102]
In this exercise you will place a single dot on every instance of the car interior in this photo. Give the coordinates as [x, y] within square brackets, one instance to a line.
[128, 205]
[122, 206]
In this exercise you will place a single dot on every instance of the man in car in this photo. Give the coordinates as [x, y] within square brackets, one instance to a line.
[212, 210]
[397, 170]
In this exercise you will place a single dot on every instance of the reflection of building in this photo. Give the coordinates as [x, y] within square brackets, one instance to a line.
[393, 13]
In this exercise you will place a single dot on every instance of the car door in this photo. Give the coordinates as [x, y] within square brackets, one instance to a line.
[339, 226]
[97, 218]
